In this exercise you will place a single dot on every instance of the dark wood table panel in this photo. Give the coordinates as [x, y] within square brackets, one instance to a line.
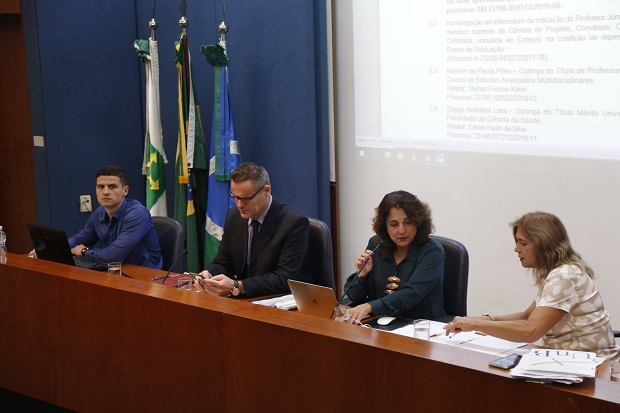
[96, 343]
[90, 342]
[301, 362]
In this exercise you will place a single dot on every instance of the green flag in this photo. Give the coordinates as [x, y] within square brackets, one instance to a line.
[191, 161]
[154, 155]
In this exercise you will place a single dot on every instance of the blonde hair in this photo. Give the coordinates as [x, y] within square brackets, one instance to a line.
[552, 245]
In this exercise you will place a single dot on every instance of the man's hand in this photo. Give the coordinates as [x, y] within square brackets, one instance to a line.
[219, 285]
[77, 250]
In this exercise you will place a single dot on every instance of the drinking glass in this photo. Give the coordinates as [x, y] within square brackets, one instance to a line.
[614, 373]
[114, 268]
[185, 283]
[341, 313]
[422, 329]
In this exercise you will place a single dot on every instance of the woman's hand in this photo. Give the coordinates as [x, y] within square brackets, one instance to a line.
[460, 324]
[360, 312]
[366, 256]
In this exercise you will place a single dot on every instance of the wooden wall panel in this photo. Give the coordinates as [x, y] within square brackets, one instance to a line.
[17, 182]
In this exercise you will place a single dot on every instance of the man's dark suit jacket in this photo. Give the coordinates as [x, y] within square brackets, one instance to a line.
[281, 250]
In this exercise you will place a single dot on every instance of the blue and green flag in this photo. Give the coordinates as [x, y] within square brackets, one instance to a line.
[224, 154]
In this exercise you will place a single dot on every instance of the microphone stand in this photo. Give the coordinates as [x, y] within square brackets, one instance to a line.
[165, 277]
[379, 245]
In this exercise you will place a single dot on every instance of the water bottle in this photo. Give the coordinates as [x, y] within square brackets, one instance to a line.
[2, 246]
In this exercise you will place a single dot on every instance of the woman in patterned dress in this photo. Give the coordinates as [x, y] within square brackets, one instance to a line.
[568, 312]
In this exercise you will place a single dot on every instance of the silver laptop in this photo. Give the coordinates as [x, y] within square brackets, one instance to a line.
[313, 299]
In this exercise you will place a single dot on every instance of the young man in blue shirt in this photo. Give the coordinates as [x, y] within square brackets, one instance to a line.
[121, 228]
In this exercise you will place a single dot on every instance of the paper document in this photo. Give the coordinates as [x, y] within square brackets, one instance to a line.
[284, 302]
[455, 339]
[552, 365]
[490, 345]
[471, 340]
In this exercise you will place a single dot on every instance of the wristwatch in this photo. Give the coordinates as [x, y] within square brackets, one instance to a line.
[235, 291]
[84, 251]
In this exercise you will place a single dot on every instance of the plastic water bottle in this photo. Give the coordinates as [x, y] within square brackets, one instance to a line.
[2, 246]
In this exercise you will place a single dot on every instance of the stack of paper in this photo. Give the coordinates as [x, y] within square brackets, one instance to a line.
[284, 302]
[563, 366]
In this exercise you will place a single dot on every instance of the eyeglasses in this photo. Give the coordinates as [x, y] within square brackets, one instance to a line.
[245, 198]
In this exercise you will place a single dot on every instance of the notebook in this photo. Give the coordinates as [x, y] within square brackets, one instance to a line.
[52, 244]
[313, 299]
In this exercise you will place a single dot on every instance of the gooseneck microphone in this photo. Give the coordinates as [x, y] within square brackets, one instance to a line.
[184, 252]
[379, 245]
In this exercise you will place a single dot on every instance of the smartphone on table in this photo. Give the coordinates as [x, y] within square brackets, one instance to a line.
[507, 362]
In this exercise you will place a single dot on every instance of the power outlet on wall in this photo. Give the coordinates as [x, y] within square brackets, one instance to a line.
[85, 204]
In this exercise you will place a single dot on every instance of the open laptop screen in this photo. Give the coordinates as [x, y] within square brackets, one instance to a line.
[313, 299]
[52, 244]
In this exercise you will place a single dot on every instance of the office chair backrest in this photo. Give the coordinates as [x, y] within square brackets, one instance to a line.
[455, 276]
[171, 241]
[321, 260]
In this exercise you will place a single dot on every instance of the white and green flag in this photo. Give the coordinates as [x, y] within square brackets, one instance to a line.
[154, 155]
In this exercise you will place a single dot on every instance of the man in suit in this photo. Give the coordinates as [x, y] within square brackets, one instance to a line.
[274, 233]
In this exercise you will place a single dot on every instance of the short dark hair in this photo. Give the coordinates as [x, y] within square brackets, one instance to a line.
[249, 171]
[419, 212]
[113, 170]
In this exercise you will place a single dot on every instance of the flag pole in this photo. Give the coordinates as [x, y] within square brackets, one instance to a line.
[153, 23]
[193, 162]
[224, 148]
[183, 22]
[154, 159]
[223, 27]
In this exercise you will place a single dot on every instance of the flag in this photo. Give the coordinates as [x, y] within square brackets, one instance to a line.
[224, 153]
[191, 161]
[154, 156]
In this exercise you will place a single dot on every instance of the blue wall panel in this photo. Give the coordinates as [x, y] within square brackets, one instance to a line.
[92, 92]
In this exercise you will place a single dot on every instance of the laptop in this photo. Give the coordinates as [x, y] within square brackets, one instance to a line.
[313, 299]
[52, 244]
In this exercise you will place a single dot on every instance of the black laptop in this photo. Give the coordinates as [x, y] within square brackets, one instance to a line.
[52, 244]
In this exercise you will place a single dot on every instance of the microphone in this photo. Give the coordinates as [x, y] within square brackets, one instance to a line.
[379, 245]
[165, 277]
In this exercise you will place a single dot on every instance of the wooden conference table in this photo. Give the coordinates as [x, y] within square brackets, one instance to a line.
[97, 343]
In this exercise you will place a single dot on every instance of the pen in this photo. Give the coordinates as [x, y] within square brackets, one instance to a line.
[440, 334]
